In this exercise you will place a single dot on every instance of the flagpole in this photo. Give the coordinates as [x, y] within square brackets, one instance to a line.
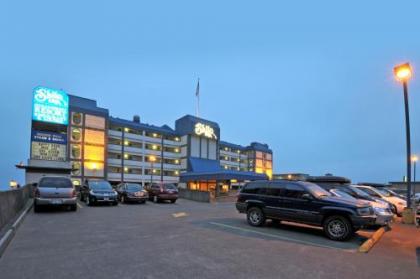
[197, 94]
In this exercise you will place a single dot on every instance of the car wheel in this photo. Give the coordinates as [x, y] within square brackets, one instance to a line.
[338, 228]
[115, 203]
[173, 201]
[36, 208]
[73, 207]
[255, 217]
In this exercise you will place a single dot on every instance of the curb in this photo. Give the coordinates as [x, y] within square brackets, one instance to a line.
[368, 244]
[7, 238]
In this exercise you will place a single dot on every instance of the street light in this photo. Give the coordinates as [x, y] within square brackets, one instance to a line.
[414, 159]
[403, 73]
[152, 159]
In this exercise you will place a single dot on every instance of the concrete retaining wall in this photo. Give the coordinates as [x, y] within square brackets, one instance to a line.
[201, 196]
[12, 202]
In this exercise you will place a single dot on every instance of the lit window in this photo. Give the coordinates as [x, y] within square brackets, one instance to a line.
[126, 130]
[176, 139]
[176, 172]
[95, 137]
[125, 156]
[226, 167]
[176, 150]
[94, 121]
[154, 146]
[126, 142]
[154, 171]
[154, 135]
[226, 158]
[176, 161]
[125, 169]
[94, 153]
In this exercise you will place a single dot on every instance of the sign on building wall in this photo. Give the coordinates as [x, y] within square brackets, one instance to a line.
[50, 105]
[207, 131]
[48, 146]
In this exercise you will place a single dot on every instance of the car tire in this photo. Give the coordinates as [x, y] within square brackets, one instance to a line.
[255, 216]
[88, 201]
[36, 208]
[173, 201]
[115, 203]
[73, 207]
[338, 228]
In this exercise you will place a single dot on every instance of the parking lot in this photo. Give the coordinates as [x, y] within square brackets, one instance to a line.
[190, 240]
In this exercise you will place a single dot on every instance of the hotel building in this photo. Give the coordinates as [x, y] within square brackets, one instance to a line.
[82, 140]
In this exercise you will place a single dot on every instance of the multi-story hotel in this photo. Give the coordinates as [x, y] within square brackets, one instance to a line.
[73, 135]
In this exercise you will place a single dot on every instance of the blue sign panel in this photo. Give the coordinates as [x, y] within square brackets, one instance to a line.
[50, 105]
[49, 137]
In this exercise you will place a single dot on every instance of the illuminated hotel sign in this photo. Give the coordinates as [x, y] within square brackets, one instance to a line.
[201, 129]
[50, 105]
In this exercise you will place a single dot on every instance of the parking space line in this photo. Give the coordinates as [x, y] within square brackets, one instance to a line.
[79, 205]
[280, 237]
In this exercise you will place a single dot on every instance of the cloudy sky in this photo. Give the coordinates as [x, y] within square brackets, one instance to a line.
[313, 79]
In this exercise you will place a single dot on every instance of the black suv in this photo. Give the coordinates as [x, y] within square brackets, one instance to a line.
[303, 202]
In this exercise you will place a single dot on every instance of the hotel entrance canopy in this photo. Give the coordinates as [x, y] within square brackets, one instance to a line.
[205, 170]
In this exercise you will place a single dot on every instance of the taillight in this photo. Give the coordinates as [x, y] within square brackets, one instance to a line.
[37, 194]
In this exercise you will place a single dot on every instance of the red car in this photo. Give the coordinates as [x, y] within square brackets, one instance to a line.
[163, 192]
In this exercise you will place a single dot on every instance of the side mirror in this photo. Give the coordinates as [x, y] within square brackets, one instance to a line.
[307, 196]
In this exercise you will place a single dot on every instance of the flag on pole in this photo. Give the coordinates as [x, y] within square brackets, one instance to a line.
[197, 94]
[197, 90]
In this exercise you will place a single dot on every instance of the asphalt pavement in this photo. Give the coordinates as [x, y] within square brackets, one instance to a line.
[190, 240]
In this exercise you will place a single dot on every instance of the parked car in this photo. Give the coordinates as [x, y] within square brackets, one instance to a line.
[95, 191]
[162, 192]
[55, 191]
[382, 210]
[132, 192]
[306, 203]
[398, 203]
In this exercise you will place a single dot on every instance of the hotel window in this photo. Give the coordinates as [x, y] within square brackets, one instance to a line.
[259, 163]
[94, 169]
[94, 137]
[268, 156]
[152, 146]
[133, 131]
[76, 151]
[94, 153]
[157, 160]
[114, 141]
[268, 164]
[115, 128]
[76, 134]
[76, 118]
[149, 171]
[133, 144]
[259, 155]
[153, 135]
[133, 157]
[112, 155]
[114, 169]
[132, 170]
[96, 122]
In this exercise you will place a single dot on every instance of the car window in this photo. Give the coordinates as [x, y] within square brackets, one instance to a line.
[276, 189]
[250, 188]
[294, 191]
[169, 186]
[100, 185]
[133, 187]
[55, 182]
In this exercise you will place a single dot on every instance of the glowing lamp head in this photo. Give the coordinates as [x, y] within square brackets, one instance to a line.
[152, 158]
[403, 72]
[414, 158]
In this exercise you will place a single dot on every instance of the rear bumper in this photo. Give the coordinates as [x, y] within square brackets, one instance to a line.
[167, 196]
[363, 221]
[136, 199]
[56, 201]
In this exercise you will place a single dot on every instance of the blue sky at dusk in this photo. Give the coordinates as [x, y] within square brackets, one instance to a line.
[313, 79]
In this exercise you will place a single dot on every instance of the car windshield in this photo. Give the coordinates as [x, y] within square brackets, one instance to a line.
[342, 194]
[55, 182]
[100, 185]
[169, 186]
[384, 192]
[316, 190]
[134, 187]
[360, 193]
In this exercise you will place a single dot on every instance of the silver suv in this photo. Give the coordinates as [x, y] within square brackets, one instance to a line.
[55, 191]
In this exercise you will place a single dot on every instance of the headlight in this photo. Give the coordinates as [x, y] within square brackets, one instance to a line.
[365, 211]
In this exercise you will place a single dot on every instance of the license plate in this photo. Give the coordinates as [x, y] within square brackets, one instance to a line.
[106, 199]
[56, 202]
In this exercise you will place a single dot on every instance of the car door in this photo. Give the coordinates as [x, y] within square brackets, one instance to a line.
[273, 199]
[295, 206]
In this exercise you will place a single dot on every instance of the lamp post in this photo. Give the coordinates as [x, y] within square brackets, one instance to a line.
[403, 74]
[414, 158]
[152, 159]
